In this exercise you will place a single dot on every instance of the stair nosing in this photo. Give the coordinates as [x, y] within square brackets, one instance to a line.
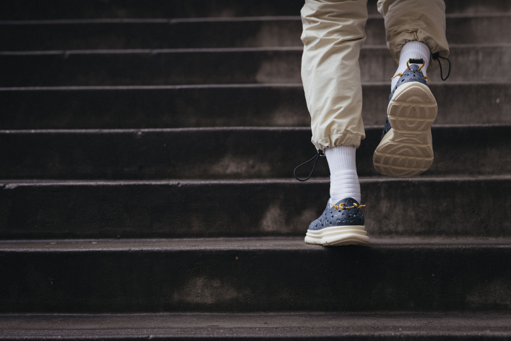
[219, 128]
[255, 323]
[208, 19]
[238, 244]
[219, 86]
[213, 50]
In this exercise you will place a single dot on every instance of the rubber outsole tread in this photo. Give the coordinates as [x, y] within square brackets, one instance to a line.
[407, 149]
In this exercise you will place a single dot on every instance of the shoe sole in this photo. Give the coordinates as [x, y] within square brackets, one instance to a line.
[407, 149]
[338, 235]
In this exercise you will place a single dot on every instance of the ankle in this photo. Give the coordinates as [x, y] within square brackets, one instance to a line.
[412, 49]
[344, 181]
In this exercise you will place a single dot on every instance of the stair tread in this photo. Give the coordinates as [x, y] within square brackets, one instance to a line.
[172, 20]
[253, 243]
[211, 49]
[256, 324]
[12, 183]
[227, 129]
[223, 86]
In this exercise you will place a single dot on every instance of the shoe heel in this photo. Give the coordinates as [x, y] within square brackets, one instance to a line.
[413, 107]
[404, 153]
[407, 149]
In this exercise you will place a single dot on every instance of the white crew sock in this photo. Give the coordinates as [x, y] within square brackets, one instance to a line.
[343, 173]
[412, 49]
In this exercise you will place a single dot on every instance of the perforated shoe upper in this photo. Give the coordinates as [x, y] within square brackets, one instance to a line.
[413, 74]
[346, 212]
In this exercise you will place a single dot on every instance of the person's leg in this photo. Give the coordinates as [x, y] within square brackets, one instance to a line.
[415, 30]
[333, 33]
[415, 20]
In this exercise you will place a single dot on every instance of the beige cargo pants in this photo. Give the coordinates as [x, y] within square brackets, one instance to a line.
[333, 33]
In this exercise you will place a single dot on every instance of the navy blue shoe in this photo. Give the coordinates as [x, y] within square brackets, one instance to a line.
[340, 224]
[406, 146]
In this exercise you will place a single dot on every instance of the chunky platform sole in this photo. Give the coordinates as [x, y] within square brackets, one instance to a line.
[338, 235]
[407, 149]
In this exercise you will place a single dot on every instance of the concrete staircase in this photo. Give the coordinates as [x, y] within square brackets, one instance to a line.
[147, 152]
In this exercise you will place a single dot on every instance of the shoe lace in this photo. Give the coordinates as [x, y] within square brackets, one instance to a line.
[342, 206]
[408, 66]
[436, 56]
[315, 158]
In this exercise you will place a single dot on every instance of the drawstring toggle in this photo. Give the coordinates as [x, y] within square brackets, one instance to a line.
[315, 158]
[436, 56]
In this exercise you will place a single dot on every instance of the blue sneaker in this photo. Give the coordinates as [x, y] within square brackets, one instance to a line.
[340, 224]
[406, 146]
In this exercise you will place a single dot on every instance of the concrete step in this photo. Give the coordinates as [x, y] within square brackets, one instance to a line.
[214, 32]
[453, 207]
[475, 63]
[252, 275]
[270, 326]
[60, 9]
[283, 105]
[226, 153]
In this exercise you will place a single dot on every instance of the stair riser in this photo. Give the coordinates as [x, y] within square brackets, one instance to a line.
[226, 153]
[469, 64]
[157, 35]
[231, 106]
[394, 208]
[26, 9]
[338, 279]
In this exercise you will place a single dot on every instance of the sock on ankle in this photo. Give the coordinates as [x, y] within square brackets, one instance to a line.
[412, 49]
[343, 173]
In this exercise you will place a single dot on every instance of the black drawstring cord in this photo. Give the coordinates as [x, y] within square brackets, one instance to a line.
[436, 56]
[316, 157]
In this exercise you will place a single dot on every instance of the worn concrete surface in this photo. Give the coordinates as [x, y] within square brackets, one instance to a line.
[280, 275]
[214, 66]
[237, 244]
[302, 325]
[439, 243]
[214, 32]
[226, 153]
[26, 9]
[275, 105]
[455, 207]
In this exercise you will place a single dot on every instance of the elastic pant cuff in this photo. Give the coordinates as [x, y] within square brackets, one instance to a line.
[422, 37]
[343, 139]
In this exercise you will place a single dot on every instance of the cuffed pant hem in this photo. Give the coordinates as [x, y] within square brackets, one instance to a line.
[343, 139]
[422, 37]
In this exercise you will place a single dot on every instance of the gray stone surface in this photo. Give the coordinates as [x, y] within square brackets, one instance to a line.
[443, 207]
[226, 153]
[214, 32]
[214, 66]
[302, 325]
[436, 268]
[28, 10]
[266, 105]
[255, 275]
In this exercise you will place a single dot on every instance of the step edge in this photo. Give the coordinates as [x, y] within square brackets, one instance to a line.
[241, 244]
[225, 129]
[215, 50]
[169, 20]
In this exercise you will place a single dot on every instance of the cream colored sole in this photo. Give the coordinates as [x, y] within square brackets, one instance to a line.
[407, 149]
[338, 235]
